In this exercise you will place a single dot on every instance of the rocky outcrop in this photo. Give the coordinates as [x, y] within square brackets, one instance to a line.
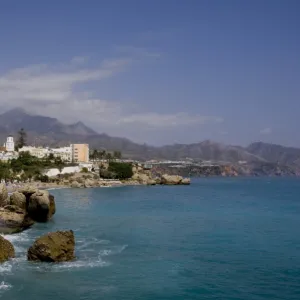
[186, 181]
[7, 250]
[39, 207]
[53, 247]
[28, 191]
[171, 179]
[3, 195]
[75, 184]
[18, 199]
[151, 182]
[13, 219]
[90, 183]
[141, 178]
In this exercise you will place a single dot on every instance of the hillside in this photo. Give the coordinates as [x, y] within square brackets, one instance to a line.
[276, 153]
[44, 131]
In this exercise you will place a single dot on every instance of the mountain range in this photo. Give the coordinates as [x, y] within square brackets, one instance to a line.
[43, 131]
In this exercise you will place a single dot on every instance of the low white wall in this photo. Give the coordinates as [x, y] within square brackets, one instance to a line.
[54, 171]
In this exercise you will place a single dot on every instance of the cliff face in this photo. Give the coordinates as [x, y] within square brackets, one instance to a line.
[257, 169]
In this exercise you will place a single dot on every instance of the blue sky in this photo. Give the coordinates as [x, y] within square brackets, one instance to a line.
[159, 72]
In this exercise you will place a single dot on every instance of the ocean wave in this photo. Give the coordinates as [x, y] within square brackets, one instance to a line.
[6, 267]
[113, 251]
[5, 286]
[17, 237]
[86, 244]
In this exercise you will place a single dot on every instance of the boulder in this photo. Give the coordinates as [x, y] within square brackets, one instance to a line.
[39, 208]
[141, 178]
[28, 191]
[13, 219]
[89, 183]
[157, 180]
[151, 182]
[186, 181]
[52, 208]
[3, 195]
[7, 250]
[53, 247]
[18, 199]
[171, 179]
[75, 184]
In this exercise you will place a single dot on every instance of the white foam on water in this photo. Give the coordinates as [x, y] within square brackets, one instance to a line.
[6, 267]
[81, 264]
[17, 237]
[114, 250]
[5, 286]
[86, 244]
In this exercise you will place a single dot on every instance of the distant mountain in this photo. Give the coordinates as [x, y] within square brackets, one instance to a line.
[276, 153]
[208, 150]
[17, 118]
[48, 131]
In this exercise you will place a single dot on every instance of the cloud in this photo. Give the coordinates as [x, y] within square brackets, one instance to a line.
[266, 130]
[60, 91]
[79, 60]
[166, 120]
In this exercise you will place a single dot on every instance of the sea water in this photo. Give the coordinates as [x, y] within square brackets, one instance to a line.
[219, 238]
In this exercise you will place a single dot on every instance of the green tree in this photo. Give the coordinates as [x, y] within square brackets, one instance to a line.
[121, 170]
[108, 156]
[102, 154]
[117, 155]
[22, 138]
[84, 170]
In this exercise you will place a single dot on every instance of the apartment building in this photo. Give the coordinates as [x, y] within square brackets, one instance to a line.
[38, 152]
[65, 153]
[80, 153]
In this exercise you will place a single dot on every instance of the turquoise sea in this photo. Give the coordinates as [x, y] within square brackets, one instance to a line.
[219, 238]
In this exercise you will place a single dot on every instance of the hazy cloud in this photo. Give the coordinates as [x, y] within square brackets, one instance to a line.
[52, 90]
[266, 130]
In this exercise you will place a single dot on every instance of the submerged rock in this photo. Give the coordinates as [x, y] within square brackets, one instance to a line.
[18, 199]
[53, 247]
[7, 250]
[3, 195]
[41, 206]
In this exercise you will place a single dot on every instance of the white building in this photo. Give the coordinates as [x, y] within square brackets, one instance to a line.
[65, 153]
[38, 152]
[10, 144]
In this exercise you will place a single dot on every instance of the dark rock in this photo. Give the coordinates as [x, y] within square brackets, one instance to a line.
[7, 250]
[41, 206]
[53, 247]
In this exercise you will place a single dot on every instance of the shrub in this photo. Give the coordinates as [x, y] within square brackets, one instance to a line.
[121, 170]
[107, 174]
[84, 170]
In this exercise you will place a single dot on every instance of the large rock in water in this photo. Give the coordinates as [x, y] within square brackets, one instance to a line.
[18, 199]
[28, 191]
[53, 247]
[171, 179]
[13, 219]
[3, 195]
[186, 181]
[7, 250]
[41, 206]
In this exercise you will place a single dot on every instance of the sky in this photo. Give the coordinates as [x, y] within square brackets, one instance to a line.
[157, 72]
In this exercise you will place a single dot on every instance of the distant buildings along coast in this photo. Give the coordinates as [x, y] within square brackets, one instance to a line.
[78, 153]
